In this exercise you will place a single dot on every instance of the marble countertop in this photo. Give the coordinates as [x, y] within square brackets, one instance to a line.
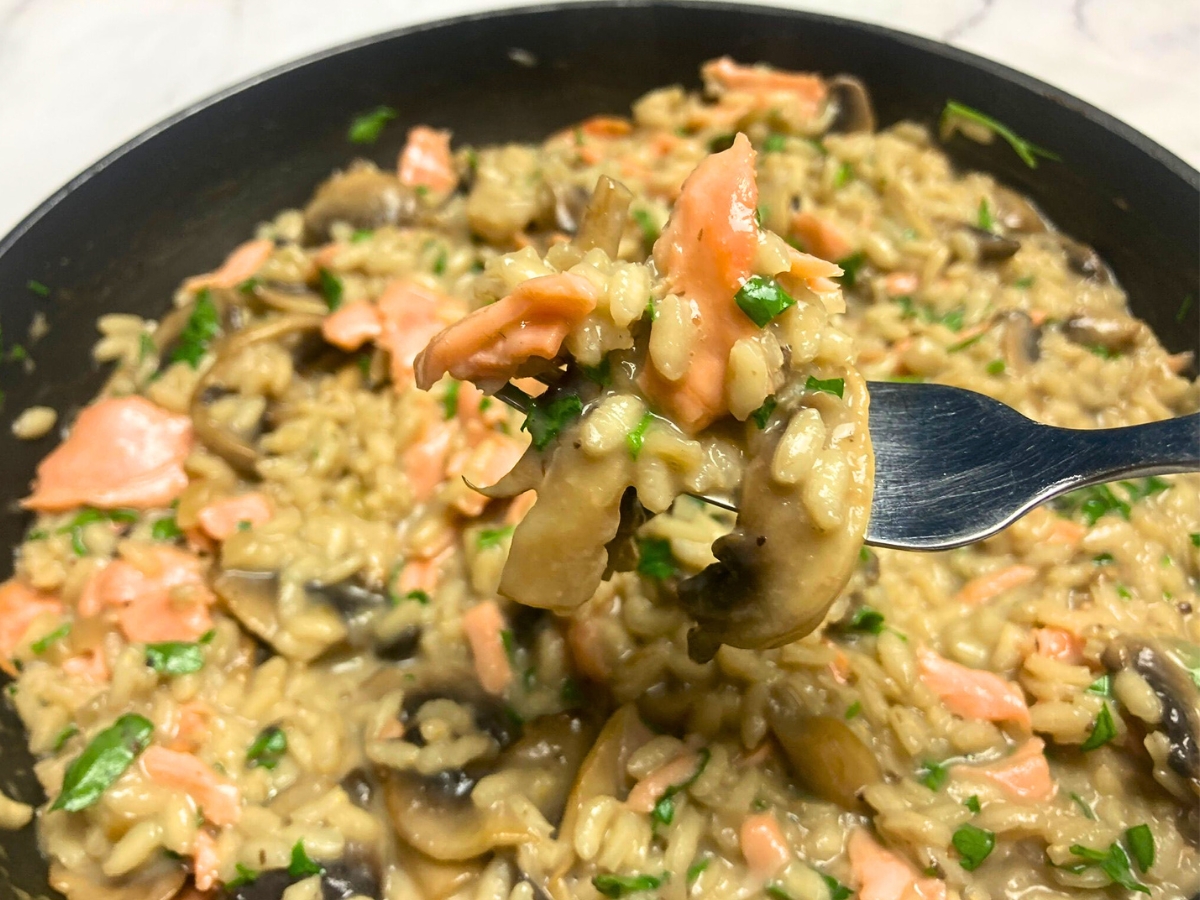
[79, 77]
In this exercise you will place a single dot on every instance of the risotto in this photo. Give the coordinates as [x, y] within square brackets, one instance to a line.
[307, 614]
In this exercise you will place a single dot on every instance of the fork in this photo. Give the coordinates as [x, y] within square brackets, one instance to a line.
[953, 467]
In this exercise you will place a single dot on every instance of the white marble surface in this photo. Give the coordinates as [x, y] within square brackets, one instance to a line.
[79, 77]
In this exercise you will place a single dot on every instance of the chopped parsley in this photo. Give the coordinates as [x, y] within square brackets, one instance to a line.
[646, 223]
[843, 176]
[966, 342]
[203, 325]
[623, 885]
[1100, 499]
[65, 735]
[366, 127]
[245, 875]
[866, 620]
[546, 419]
[762, 415]
[933, 774]
[361, 234]
[651, 312]
[1028, 152]
[41, 645]
[166, 529]
[267, 749]
[774, 143]
[850, 267]
[570, 692]
[601, 374]
[696, 869]
[450, 399]
[1140, 840]
[985, 220]
[1184, 308]
[1113, 862]
[301, 866]
[762, 298]
[637, 437]
[1103, 731]
[835, 386]
[777, 892]
[493, 537]
[1103, 559]
[1024, 282]
[89, 516]
[439, 262]
[972, 803]
[1083, 806]
[332, 288]
[103, 761]
[995, 367]
[664, 810]
[1194, 537]
[974, 845]
[36, 287]
[655, 559]
[146, 347]
[837, 890]
[175, 657]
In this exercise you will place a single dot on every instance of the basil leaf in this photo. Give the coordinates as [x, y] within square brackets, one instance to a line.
[637, 437]
[267, 749]
[655, 559]
[203, 325]
[175, 657]
[835, 386]
[762, 299]
[546, 419]
[1141, 844]
[301, 866]
[621, 885]
[366, 127]
[1023, 148]
[974, 845]
[1102, 732]
[103, 761]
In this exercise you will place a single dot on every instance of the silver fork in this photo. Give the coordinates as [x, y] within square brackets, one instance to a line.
[953, 467]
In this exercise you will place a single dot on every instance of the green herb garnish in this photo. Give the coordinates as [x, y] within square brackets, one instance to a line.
[103, 761]
[696, 869]
[655, 559]
[762, 415]
[853, 710]
[1024, 282]
[166, 529]
[985, 221]
[361, 234]
[36, 287]
[850, 267]
[651, 312]
[637, 437]
[65, 735]
[974, 844]
[175, 657]
[1103, 731]
[995, 367]
[546, 419]
[972, 803]
[450, 399]
[647, 224]
[1184, 308]
[1028, 152]
[933, 774]
[1140, 840]
[621, 885]
[664, 809]
[493, 537]
[835, 386]
[301, 866]
[601, 374]
[1113, 862]
[843, 176]
[203, 325]
[366, 128]
[245, 875]
[41, 645]
[570, 692]
[332, 288]
[267, 748]
[774, 143]
[762, 298]
[837, 890]
[1083, 806]
[440, 261]
[720, 143]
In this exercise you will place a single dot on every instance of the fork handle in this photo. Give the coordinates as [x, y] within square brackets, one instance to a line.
[1109, 454]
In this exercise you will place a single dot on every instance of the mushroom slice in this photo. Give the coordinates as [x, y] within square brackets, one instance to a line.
[1085, 261]
[824, 754]
[570, 204]
[993, 247]
[622, 549]
[1167, 669]
[778, 571]
[355, 604]
[362, 197]
[854, 112]
[437, 880]
[604, 220]
[343, 879]
[252, 599]
[558, 557]
[1020, 340]
[438, 817]
[1015, 212]
[160, 884]
[1112, 334]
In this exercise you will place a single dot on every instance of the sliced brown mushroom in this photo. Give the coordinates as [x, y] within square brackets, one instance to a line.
[161, 882]
[622, 549]
[1167, 667]
[1085, 261]
[993, 247]
[356, 604]
[824, 754]
[362, 197]
[252, 599]
[233, 448]
[437, 880]
[604, 220]
[436, 815]
[1111, 334]
[1015, 212]
[289, 298]
[1020, 341]
[777, 573]
[852, 103]
[570, 204]
[343, 879]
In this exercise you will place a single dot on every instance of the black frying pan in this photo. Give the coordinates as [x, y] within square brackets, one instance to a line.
[172, 202]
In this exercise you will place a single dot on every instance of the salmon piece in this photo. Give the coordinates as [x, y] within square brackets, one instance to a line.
[1064, 531]
[705, 253]
[897, 284]
[770, 85]
[224, 517]
[992, 584]
[764, 846]
[493, 342]
[587, 648]
[206, 862]
[91, 666]
[165, 600]
[1025, 775]
[122, 452]
[410, 315]
[1058, 643]
[881, 875]
[647, 792]
[217, 797]
[484, 625]
[425, 461]
[351, 326]
[973, 693]
[821, 237]
[490, 460]
[192, 727]
[423, 574]
[425, 160]
[19, 606]
[241, 264]
[606, 127]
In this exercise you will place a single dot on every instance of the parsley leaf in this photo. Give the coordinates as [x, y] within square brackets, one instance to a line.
[972, 803]
[664, 809]
[301, 866]
[202, 326]
[762, 415]
[267, 748]
[843, 176]
[601, 374]
[985, 221]
[1023, 148]
[166, 529]
[655, 559]
[637, 437]
[332, 288]
[646, 223]
[36, 287]
[850, 268]
[762, 298]
[837, 890]
[867, 620]
[366, 128]
[995, 367]
[835, 386]
[493, 537]
[774, 143]
[974, 844]
[933, 774]
[41, 645]
[245, 875]
[103, 761]
[621, 885]
[450, 399]
[1083, 807]
[546, 419]
[1103, 731]
[175, 657]
[1141, 844]
[1113, 862]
